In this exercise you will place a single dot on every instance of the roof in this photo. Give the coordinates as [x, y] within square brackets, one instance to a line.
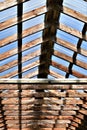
[44, 40]
[42, 44]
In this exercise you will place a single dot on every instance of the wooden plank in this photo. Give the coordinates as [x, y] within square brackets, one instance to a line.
[34, 121]
[26, 101]
[74, 93]
[84, 112]
[65, 117]
[77, 120]
[37, 28]
[28, 93]
[32, 74]
[72, 128]
[34, 86]
[75, 124]
[29, 31]
[39, 11]
[44, 107]
[71, 46]
[38, 113]
[26, 16]
[26, 46]
[50, 93]
[9, 3]
[39, 128]
[24, 59]
[66, 10]
[57, 82]
[56, 75]
[71, 31]
[75, 14]
[73, 101]
[51, 101]
[28, 67]
[64, 68]
[30, 117]
[31, 107]
[70, 59]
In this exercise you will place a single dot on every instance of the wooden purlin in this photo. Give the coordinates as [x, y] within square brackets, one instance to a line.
[66, 10]
[39, 11]
[70, 59]
[71, 46]
[69, 118]
[27, 32]
[75, 54]
[24, 69]
[66, 69]
[9, 3]
[36, 28]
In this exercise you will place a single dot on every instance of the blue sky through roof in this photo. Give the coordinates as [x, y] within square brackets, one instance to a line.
[81, 7]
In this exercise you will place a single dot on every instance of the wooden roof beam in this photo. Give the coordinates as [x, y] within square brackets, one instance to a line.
[9, 3]
[82, 82]
[72, 31]
[50, 17]
[38, 27]
[75, 53]
[29, 15]
[27, 32]
[19, 34]
[28, 67]
[25, 47]
[70, 59]
[70, 46]
[24, 59]
[26, 16]
[64, 68]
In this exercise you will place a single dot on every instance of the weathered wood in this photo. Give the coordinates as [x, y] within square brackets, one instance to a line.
[56, 75]
[24, 59]
[39, 129]
[74, 14]
[43, 86]
[29, 31]
[26, 46]
[77, 120]
[71, 46]
[37, 28]
[9, 3]
[70, 59]
[73, 82]
[13, 21]
[71, 31]
[45, 101]
[32, 100]
[50, 93]
[53, 107]
[42, 113]
[41, 10]
[28, 67]
[27, 93]
[64, 68]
